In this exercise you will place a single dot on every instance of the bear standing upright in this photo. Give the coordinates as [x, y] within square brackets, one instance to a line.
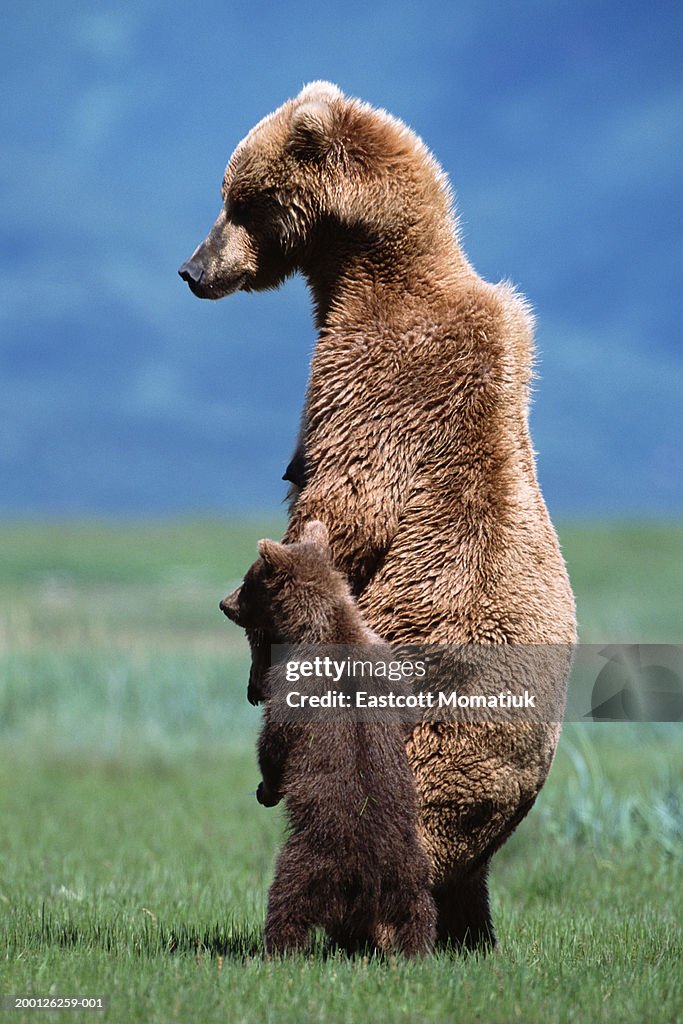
[414, 448]
[352, 862]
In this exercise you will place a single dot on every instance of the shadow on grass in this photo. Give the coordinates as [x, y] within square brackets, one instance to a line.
[231, 941]
[234, 943]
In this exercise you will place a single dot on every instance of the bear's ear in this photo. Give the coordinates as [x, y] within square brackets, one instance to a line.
[312, 128]
[315, 532]
[276, 556]
[321, 89]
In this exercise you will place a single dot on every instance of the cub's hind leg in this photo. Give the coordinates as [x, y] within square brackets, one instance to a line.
[289, 917]
[408, 925]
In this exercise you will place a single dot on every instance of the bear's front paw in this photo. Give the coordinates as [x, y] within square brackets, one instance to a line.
[266, 796]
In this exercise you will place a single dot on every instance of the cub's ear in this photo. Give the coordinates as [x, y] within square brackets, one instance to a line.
[276, 556]
[312, 128]
[315, 532]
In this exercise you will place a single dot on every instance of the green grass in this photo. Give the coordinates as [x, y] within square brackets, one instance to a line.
[136, 861]
[627, 579]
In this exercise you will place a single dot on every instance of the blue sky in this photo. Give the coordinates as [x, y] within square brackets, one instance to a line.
[559, 125]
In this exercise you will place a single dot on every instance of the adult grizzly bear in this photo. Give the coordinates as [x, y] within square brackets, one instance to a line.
[352, 862]
[414, 431]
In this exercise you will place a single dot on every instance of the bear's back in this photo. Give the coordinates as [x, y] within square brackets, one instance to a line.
[348, 785]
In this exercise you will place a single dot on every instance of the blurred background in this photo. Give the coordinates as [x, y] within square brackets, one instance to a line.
[121, 394]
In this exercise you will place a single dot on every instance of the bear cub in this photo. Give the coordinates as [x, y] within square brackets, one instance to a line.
[352, 863]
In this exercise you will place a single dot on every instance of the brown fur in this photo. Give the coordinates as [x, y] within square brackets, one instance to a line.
[414, 431]
[352, 863]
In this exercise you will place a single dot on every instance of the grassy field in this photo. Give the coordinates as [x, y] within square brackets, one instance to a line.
[136, 861]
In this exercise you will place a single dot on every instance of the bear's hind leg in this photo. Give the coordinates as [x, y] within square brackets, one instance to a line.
[463, 913]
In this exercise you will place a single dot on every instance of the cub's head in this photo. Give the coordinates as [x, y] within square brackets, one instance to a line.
[291, 592]
[319, 165]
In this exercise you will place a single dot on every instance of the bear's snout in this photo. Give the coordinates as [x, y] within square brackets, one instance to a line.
[193, 273]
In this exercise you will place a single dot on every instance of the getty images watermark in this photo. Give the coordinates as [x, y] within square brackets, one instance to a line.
[478, 683]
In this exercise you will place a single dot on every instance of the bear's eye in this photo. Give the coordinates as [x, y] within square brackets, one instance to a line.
[254, 209]
[239, 211]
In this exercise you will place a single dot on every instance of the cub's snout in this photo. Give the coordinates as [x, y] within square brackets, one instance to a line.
[230, 606]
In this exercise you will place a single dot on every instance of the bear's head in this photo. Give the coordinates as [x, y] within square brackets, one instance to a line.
[292, 592]
[320, 177]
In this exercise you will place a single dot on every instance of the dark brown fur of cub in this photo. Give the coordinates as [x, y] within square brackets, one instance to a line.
[353, 863]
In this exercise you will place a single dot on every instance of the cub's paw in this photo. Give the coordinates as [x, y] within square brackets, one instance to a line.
[255, 689]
